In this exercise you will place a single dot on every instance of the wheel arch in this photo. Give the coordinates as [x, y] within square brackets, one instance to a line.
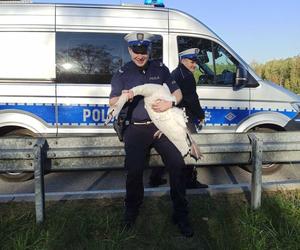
[270, 120]
[23, 120]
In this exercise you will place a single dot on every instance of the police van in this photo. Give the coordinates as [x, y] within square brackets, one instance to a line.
[57, 61]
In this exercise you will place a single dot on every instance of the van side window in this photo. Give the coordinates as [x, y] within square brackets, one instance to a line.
[216, 65]
[93, 57]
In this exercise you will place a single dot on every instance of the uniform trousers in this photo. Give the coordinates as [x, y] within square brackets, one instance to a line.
[138, 140]
[189, 171]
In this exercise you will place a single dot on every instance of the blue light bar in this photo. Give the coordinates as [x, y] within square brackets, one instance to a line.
[156, 3]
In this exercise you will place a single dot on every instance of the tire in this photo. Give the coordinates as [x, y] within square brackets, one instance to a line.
[267, 169]
[18, 176]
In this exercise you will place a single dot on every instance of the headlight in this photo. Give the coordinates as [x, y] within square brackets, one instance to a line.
[296, 106]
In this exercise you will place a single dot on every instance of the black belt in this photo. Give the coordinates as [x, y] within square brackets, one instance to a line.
[142, 123]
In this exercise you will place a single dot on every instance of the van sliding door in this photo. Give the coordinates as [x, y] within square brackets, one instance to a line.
[27, 72]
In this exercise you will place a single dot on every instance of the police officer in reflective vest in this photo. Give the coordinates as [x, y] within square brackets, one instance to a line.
[139, 135]
[184, 77]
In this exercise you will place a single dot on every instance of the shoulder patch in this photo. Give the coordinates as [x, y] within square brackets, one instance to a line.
[157, 63]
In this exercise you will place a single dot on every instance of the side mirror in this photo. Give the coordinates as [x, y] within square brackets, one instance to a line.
[241, 77]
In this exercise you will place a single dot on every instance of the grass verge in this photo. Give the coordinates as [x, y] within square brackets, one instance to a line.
[220, 222]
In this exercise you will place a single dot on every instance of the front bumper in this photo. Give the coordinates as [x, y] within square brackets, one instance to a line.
[294, 124]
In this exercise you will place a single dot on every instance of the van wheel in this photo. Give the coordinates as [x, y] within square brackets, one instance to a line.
[267, 169]
[18, 176]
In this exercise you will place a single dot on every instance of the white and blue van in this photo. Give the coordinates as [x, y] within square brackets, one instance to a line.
[57, 61]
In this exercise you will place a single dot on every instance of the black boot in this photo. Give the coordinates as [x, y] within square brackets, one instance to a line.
[191, 179]
[184, 226]
[157, 181]
[129, 219]
[195, 184]
[156, 178]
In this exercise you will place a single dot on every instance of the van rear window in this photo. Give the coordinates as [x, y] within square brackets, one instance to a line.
[93, 57]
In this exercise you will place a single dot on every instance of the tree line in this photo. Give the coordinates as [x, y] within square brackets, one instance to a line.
[285, 72]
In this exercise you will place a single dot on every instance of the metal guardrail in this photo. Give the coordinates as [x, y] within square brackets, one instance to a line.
[106, 152]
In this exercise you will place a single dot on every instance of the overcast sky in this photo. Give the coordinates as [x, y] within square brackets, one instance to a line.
[259, 30]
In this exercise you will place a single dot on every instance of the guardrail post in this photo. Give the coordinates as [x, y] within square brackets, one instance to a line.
[256, 182]
[39, 180]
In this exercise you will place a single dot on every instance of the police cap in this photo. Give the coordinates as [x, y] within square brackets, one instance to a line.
[139, 42]
[190, 54]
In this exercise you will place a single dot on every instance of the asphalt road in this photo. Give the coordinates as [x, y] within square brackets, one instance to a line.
[111, 183]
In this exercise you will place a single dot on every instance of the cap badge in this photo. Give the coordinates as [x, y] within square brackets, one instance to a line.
[140, 36]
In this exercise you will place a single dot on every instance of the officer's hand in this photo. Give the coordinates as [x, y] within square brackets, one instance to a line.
[129, 93]
[161, 105]
[200, 121]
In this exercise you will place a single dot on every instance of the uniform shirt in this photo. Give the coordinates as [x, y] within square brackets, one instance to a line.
[130, 75]
[190, 100]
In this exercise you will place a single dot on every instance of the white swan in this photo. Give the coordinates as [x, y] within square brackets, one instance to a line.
[172, 122]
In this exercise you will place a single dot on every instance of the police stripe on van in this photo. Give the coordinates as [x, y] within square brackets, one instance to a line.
[44, 111]
[95, 114]
[223, 116]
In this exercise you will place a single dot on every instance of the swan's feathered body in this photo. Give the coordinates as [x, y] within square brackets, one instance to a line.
[171, 123]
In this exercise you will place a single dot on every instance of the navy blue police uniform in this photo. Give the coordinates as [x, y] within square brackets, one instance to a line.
[190, 100]
[139, 138]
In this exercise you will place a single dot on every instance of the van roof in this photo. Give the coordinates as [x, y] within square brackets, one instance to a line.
[158, 19]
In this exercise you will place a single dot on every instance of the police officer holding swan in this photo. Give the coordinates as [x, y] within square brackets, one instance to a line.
[139, 135]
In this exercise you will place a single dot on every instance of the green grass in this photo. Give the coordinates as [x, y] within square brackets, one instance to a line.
[220, 222]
